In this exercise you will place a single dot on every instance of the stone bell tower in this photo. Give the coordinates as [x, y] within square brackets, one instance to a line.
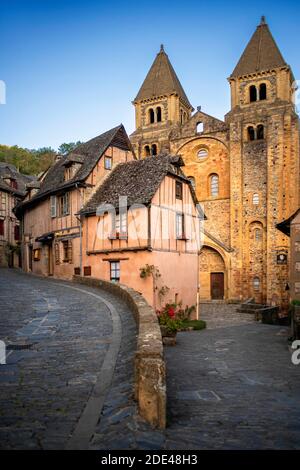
[160, 105]
[264, 168]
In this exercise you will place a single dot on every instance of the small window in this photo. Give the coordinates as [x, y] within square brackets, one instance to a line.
[107, 163]
[179, 226]
[251, 133]
[121, 224]
[67, 251]
[17, 232]
[14, 184]
[214, 185]
[256, 283]
[252, 93]
[158, 114]
[199, 127]
[178, 190]
[260, 132]
[263, 91]
[147, 151]
[1, 227]
[193, 182]
[53, 206]
[115, 271]
[37, 254]
[154, 149]
[203, 153]
[64, 204]
[151, 116]
[255, 199]
[258, 236]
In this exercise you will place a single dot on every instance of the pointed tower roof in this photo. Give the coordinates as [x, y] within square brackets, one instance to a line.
[161, 80]
[261, 53]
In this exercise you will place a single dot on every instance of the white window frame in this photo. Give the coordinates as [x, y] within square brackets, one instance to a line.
[121, 223]
[107, 158]
[114, 271]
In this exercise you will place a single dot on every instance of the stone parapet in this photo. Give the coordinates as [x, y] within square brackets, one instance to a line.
[150, 373]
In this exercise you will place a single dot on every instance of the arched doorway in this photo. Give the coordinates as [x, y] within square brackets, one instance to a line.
[212, 274]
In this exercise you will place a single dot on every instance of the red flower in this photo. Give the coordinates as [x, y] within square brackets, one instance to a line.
[171, 312]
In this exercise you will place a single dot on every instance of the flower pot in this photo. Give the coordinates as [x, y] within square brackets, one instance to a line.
[168, 337]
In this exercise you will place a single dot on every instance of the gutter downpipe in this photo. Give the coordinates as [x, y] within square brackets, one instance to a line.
[80, 232]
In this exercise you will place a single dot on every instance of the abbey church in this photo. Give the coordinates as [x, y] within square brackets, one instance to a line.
[245, 169]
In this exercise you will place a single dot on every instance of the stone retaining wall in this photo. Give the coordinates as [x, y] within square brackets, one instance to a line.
[150, 372]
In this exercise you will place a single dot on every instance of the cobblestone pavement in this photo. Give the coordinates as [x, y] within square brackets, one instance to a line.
[232, 386]
[45, 388]
[217, 315]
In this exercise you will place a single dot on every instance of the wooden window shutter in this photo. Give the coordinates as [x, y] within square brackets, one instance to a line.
[53, 206]
[70, 251]
[56, 252]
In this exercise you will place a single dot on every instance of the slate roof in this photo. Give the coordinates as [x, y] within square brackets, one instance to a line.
[261, 53]
[87, 154]
[161, 80]
[138, 180]
[9, 171]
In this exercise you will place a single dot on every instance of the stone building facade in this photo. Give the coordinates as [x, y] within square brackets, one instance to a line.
[245, 169]
[13, 188]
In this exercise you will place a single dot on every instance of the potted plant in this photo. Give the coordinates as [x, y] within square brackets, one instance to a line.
[169, 324]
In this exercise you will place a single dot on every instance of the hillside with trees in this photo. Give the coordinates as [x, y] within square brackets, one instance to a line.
[33, 161]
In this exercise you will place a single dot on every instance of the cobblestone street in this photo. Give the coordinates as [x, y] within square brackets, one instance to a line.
[67, 333]
[231, 386]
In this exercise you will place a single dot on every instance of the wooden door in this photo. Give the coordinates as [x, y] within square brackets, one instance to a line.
[217, 286]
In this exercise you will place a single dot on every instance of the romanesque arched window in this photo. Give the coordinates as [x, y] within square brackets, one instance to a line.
[214, 185]
[158, 114]
[255, 199]
[252, 93]
[260, 132]
[147, 151]
[151, 116]
[258, 234]
[199, 127]
[256, 283]
[153, 149]
[251, 133]
[263, 91]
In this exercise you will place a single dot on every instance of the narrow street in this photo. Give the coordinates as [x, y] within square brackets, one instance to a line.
[68, 381]
[58, 337]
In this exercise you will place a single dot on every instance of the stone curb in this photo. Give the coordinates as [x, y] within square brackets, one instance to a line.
[150, 369]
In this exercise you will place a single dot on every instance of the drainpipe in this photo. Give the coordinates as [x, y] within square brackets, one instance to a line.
[80, 232]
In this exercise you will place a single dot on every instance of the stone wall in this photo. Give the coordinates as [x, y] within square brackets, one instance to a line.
[150, 371]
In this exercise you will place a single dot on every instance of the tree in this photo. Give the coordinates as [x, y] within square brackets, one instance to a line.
[66, 148]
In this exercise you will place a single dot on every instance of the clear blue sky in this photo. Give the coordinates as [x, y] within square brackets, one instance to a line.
[72, 68]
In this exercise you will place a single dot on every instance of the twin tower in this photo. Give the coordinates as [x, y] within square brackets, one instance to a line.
[245, 169]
